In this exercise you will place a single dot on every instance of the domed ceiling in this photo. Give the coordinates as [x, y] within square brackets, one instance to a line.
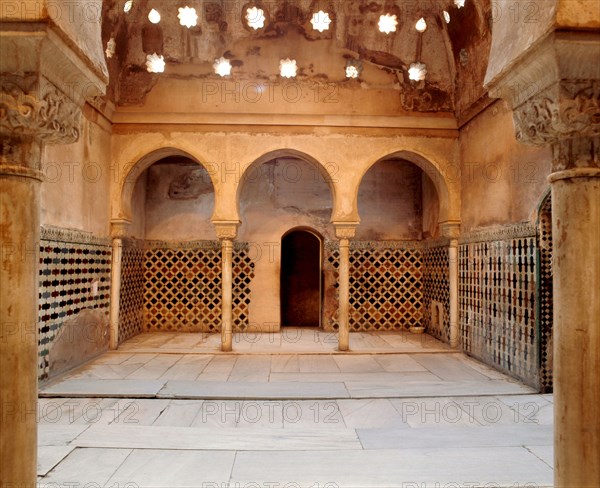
[328, 40]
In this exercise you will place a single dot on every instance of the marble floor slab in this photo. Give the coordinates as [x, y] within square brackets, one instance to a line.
[180, 438]
[159, 468]
[252, 390]
[429, 468]
[99, 388]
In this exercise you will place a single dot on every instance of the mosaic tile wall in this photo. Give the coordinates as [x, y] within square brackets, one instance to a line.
[546, 293]
[498, 300]
[177, 287]
[70, 263]
[182, 290]
[385, 285]
[131, 303]
[436, 287]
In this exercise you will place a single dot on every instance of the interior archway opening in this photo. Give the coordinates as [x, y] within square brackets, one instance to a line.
[301, 279]
[280, 194]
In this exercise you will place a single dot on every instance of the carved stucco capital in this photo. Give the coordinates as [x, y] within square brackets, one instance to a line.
[450, 229]
[119, 228]
[226, 230]
[36, 110]
[345, 230]
[567, 110]
[566, 116]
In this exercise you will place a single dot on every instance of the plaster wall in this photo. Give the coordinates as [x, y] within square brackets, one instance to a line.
[137, 228]
[502, 180]
[390, 203]
[182, 218]
[76, 191]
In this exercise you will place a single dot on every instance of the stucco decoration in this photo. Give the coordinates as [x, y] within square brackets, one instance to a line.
[569, 110]
[566, 115]
[33, 111]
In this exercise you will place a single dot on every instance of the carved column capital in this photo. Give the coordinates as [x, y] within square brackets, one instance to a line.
[450, 229]
[345, 230]
[119, 228]
[226, 229]
[566, 115]
[34, 109]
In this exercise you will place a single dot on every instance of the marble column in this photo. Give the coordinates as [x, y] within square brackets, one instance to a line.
[25, 124]
[344, 232]
[226, 232]
[119, 230]
[565, 116]
[115, 291]
[452, 231]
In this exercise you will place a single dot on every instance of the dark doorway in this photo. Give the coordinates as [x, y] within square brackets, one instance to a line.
[301, 279]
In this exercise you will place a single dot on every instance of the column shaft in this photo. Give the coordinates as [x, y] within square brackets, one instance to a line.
[19, 268]
[576, 266]
[227, 295]
[344, 295]
[115, 296]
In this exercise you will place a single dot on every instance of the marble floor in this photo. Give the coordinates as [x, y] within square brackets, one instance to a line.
[167, 411]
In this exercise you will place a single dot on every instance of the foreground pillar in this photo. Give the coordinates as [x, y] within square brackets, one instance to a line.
[576, 227]
[19, 241]
[226, 232]
[344, 232]
[452, 230]
[24, 127]
[554, 91]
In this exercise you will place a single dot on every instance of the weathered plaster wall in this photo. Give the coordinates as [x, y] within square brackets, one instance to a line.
[137, 228]
[76, 191]
[390, 203]
[179, 203]
[502, 181]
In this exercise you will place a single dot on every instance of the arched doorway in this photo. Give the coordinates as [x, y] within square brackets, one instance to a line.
[301, 289]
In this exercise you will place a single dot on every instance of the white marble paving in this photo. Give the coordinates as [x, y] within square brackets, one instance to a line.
[174, 469]
[251, 390]
[392, 468]
[261, 439]
[169, 410]
[50, 456]
[85, 467]
[114, 388]
[455, 437]
[360, 414]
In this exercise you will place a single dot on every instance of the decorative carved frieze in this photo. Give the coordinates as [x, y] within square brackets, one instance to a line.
[73, 236]
[34, 110]
[503, 233]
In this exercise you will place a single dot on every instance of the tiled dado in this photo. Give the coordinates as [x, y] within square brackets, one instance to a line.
[498, 300]
[177, 287]
[74, 276]
[436, 288]
[546, 295]
[131, 301]
[386, 285]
